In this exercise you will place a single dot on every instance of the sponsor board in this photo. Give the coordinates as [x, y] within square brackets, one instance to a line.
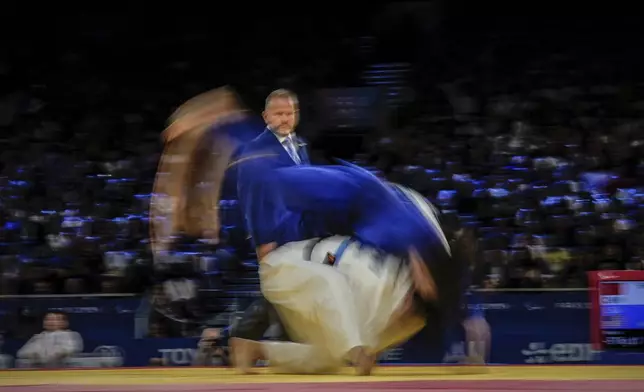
[533, 328]
[177, 356]
[541, 352]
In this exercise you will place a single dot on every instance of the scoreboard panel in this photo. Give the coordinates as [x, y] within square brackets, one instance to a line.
[617, 311]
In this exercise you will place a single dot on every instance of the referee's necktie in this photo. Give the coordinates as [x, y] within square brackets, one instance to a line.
[292, 151]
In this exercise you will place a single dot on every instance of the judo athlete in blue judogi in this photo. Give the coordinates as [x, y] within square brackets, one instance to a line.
[341, 298]
[349, 297]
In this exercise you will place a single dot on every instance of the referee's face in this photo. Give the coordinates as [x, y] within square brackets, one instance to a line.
[281, 116]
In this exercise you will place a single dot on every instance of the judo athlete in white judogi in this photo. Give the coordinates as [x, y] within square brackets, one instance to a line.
[365, 300]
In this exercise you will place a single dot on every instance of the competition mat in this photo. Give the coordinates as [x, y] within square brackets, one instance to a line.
[590, 378]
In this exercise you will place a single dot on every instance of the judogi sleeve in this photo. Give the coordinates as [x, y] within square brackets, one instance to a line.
[258, 206]
[381, 220]
[313, 188]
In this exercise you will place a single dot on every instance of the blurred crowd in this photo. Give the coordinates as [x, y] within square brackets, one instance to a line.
[80, 125]
[538, 146]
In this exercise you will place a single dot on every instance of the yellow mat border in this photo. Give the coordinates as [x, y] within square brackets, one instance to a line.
[152, 376]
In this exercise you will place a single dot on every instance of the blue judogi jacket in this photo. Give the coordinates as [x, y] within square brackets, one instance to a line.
[350, 196]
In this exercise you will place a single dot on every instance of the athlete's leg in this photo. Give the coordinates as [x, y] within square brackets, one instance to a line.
[314, 303]
[383, 287]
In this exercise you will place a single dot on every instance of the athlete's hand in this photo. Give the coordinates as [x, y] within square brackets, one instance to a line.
[265, 249]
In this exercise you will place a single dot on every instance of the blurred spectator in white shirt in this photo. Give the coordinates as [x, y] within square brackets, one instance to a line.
[53, 346]
[6, 361]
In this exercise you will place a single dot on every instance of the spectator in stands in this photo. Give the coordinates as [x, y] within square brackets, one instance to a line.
[547, 121]
[53, 346]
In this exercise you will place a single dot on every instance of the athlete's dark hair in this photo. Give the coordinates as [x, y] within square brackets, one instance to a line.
[451, 275]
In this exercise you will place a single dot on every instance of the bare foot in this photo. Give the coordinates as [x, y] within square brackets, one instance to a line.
[474, 360]
[362, 361]
[244, 354]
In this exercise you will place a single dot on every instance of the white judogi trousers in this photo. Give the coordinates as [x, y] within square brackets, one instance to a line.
[329, 310]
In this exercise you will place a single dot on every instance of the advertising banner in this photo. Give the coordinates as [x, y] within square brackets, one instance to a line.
[527, 328]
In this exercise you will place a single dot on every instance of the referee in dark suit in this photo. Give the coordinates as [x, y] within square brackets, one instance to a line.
[277, 146]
